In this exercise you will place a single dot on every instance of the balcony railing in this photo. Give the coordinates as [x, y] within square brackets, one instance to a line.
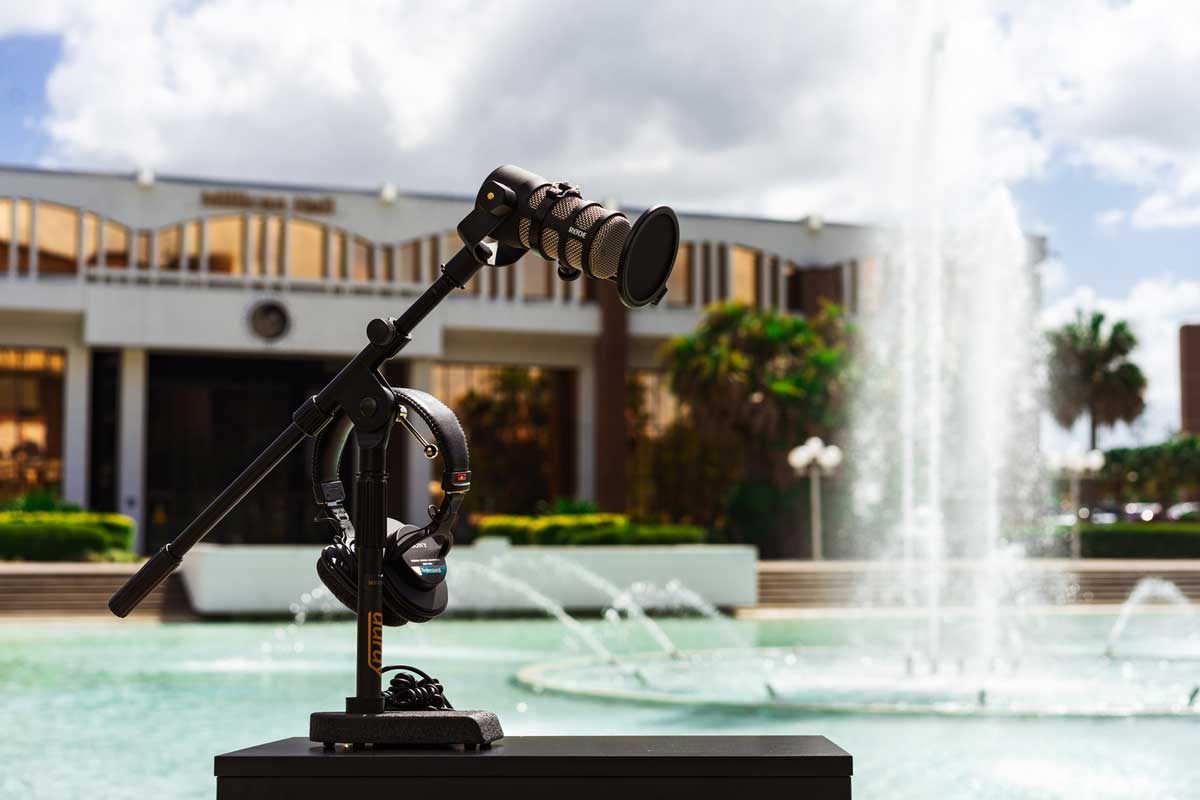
[45, 240]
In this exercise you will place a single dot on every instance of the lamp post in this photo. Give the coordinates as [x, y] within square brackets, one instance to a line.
[815, 458]
[1076, 466]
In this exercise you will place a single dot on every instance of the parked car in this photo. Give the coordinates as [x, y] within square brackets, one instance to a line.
[1143, 512]
[1100, 515]
[1184, 512]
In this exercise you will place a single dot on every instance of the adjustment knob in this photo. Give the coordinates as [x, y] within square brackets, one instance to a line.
[380, 331]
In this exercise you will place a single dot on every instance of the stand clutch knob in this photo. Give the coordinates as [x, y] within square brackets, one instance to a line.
[152, 573]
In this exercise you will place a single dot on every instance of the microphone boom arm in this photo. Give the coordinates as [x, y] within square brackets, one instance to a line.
[357, 390]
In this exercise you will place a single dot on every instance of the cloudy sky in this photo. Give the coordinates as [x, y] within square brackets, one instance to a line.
[1085, 109]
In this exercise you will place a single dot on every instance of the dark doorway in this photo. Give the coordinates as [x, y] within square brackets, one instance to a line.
[208, 417]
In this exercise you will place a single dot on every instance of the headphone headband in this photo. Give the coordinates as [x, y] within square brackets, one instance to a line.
[451, 445]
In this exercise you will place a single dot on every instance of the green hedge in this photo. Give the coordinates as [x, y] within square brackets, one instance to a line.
[1141, 540]
[585, 529]
[63, 535]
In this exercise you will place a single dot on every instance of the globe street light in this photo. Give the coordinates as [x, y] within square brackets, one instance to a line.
[815, 458]
[1075, 466]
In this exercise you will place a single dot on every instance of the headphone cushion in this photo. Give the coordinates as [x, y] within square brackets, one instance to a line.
[338, 570]
[414, 603]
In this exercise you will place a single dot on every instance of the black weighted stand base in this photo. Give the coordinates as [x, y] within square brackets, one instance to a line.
[405, 728]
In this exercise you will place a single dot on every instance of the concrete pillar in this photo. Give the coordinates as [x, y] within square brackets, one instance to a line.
[131, 443]
[416, 466]
[611, 358]
[76, 416]
[585, 432]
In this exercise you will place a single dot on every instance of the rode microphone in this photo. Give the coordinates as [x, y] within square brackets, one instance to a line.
[554, 220]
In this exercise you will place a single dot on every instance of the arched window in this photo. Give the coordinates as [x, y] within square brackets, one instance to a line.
[409, 261]
[57, 239]
[225, 245]
[337, 255]
[537, 277]
[141, 250]
[679, 286]
[744, 269]
[170, 250]
[266, 246]
[306, 250]
[362, 266]
[6, 230]
[24, 224]
[91, 239]
[190, 247]
[116, 245]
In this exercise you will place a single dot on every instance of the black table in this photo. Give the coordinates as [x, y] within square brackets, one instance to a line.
[545, 767]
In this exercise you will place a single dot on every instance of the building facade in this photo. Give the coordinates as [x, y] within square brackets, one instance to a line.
[156, 332]
[1189, 378]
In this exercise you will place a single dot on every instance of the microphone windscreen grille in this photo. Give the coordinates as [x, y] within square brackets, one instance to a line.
[565, 207]
[550, 243]
[587, 218]
[575, 253]
[536, 196]
[605, 255]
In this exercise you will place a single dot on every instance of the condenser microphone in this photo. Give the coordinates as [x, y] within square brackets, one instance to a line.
[554, 220]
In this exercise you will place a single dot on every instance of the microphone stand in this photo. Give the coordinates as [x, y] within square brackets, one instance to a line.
[360, 392]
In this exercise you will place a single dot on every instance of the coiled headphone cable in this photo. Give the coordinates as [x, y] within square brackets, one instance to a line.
[412, 689]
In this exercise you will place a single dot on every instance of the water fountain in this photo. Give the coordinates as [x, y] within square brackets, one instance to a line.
[620, 599]
[946, 460]
[1145, 592]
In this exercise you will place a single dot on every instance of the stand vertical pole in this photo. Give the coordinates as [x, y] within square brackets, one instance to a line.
[370, 525]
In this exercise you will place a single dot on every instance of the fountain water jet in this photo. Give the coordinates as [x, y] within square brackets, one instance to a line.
[1147, 590]
[621, 599]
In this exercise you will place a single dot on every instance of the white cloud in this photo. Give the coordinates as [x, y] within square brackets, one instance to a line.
[1054, 275]
[1110, 218]
[1155, 308]
[782, 109]
[1167, 210]
[776, 111]
[1112, 87]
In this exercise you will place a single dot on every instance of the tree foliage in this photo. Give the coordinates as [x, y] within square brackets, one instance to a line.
[764, 382]
[1166, 473]
[509, 426]
[1091, 373]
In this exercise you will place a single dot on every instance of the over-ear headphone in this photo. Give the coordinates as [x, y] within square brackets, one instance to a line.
[414, 561]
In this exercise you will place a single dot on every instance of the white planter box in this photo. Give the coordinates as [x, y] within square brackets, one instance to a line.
[271, 579]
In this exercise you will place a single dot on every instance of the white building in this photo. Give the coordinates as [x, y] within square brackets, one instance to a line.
[135, 375]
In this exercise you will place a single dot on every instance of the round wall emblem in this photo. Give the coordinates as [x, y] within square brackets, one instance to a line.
[269, 320]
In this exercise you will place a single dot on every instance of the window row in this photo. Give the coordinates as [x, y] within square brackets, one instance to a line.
[254, 245]
[271, 246]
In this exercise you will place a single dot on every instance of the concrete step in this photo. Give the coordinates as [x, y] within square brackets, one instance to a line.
[839, 584]
[81, 590]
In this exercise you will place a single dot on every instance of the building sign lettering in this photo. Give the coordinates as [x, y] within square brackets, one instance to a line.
[265, 202]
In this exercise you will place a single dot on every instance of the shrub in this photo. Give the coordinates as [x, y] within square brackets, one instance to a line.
[586, 529]
[565, 528]
[669, 534]
[39, 500]
[1141, 540]
[567, 505]
[51, 541]
[63, 535]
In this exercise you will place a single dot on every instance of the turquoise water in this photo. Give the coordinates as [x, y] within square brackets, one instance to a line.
[108, 710]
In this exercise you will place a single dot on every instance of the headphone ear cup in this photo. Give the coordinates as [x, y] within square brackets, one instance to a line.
[414, 603]
[332, 570]
[405, 593]
[337, 568]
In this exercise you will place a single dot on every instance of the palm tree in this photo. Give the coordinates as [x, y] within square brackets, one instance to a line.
[1090, 373]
